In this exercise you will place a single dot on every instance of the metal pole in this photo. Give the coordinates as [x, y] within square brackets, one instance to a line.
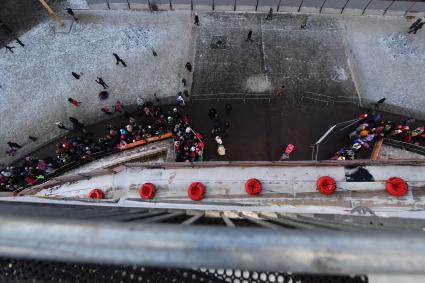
[317, 152]
[343, 8]
[366, 7]
[321, 7]
[299, 8]
[51, 12]
[388, 7]
[411, 6]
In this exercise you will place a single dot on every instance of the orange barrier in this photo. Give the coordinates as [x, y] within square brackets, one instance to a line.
[145, 141]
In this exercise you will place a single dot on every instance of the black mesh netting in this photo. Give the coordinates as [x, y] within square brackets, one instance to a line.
[13, 270]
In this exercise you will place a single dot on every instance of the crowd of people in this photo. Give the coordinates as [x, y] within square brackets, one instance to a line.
[373, 126]
[152, 121]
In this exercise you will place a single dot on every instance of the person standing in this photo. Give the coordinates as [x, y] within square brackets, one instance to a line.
[270, 14]
[280, 90]
[196, 19]
[184, 82]
[75, 75]
[71, 13]
[228, 108]
[188, 66]
[14, 145]
[211, 113]
[156, 98]
[118, 106]
[249, 38]
[6, 28]
[180, 100]
[119, 60]
[102, 83]
[61, 126]
[74, 102]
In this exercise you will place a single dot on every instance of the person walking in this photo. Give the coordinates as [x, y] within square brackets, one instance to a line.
[75, 121]
[196, 19]
[119, 60]
[19, 42]
[184, 82]
[249, 38]
[106, 110]
[61, 126]
[270, 14]
[10, 48]
[77, 125]
[32, 138]
[71, 13]
[417, 27]
[74, 102]
[102, 83]
[154, 53]
[188, 66]
[75, 75]
[415, 24]
[14, 145]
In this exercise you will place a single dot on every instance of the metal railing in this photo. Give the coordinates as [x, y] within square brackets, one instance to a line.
[377, 7]
[253, 242]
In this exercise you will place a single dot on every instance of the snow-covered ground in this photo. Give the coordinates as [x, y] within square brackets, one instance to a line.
[389, 62]
[36, 80]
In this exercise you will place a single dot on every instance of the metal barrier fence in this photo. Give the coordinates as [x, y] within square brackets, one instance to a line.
[349, 7]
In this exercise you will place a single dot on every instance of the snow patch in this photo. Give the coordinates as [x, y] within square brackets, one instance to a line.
[258, 84]
[401, 45]
[77, 4]
[339, 74]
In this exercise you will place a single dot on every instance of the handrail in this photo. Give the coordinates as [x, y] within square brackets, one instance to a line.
[187, 246]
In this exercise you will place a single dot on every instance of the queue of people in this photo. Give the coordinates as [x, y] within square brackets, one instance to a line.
[374, 126]
[153, 121]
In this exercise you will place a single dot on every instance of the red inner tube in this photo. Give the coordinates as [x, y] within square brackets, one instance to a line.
[196, 191]
[396, 186]
[147, 191]
[326, 185]
[253, 187]
[96, 194]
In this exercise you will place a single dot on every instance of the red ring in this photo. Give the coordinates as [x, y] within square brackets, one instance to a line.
[396, 187]
[96, 194]
[147, 191]
[196, 191]
[253, 187]
[326, 185]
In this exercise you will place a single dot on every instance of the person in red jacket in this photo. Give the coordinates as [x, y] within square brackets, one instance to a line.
[74, 102]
